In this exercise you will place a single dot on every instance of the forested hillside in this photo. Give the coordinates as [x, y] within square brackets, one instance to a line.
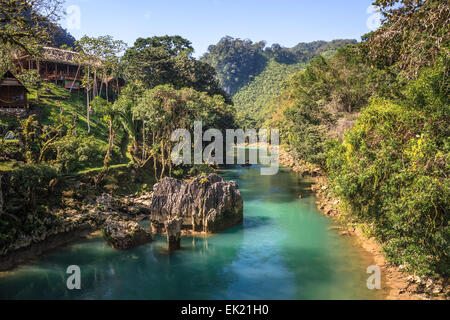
[255, 100]
[238, 61]
[390, 168]
[253, 74]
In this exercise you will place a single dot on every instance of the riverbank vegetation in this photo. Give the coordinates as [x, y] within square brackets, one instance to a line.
[105, 140]
[375, 117]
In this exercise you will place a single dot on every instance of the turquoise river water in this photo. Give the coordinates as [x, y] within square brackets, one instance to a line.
[285, 249]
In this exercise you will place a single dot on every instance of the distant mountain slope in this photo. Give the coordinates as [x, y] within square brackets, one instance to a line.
[253, 74]
[239, 61]
[254, 101]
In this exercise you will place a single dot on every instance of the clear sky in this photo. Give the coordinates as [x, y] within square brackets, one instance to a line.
[204, 22]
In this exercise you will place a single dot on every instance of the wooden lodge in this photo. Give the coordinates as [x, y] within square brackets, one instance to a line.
[13, 95]
[57, 65]
[62, 67]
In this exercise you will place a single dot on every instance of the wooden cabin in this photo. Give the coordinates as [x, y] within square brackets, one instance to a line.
[13, 95]
[57, 65]
[63, 67]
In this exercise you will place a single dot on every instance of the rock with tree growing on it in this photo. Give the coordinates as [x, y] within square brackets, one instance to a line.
[206, 204]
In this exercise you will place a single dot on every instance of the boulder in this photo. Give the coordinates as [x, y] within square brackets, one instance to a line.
[123, 235]
[173, 230]
[107, 201]
[209, 204]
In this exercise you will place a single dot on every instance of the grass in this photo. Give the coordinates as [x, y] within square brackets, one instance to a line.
[7, 165]
[52, 100]
[99, 169]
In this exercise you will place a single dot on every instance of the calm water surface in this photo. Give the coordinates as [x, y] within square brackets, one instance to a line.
[285, 249]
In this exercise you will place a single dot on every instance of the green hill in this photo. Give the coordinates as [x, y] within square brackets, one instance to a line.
[88, 149]
[254, 101]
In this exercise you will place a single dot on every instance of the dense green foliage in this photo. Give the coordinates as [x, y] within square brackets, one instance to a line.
[27, 24]
[391, 168]
[255, 100]
[413, 34]
[236, 61]
[168, 60]
[316, 100]
[27, 190]
[151, 115]
[239, 61]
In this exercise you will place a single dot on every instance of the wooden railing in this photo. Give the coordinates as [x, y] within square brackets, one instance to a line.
[61, 74]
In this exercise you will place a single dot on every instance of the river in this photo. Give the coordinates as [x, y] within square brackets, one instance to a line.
[285, 249]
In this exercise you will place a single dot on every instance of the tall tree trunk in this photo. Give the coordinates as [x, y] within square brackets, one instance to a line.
[88, 109]
[75, 79]
[101, 87]
[143, 141]
[155, 167]
[1, 196]
[107, 159]
[170, 161]
[107, 93]
[95, 91]
[163, 161]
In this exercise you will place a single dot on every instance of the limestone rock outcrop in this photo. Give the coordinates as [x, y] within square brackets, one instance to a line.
[209, 204]
[124, 235]
[173, 230]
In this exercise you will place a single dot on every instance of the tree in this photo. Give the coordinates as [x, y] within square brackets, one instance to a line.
[110, 116]
[124, 106]
[38, 139]
[88, 49]
[413, 34]
[168, 60]
[109, 51]
[150, 116]
[23, 23]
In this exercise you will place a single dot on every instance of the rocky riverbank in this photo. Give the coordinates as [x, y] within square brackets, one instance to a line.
[401, 285]
[116, 217]
[204, 205]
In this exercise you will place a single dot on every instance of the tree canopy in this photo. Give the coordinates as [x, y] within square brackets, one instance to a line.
[168, 60]
[239, 61]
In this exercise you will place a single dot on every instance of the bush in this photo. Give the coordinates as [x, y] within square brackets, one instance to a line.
[392, 169]
[27, 190]
[77, 152]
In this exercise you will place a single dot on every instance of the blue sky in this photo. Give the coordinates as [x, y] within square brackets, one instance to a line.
[204, 22]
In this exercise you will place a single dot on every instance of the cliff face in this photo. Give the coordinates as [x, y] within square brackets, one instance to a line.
[205, 204]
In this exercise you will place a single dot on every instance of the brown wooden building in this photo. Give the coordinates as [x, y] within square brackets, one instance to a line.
[58, 65]
[13, 95]
[63, 67]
